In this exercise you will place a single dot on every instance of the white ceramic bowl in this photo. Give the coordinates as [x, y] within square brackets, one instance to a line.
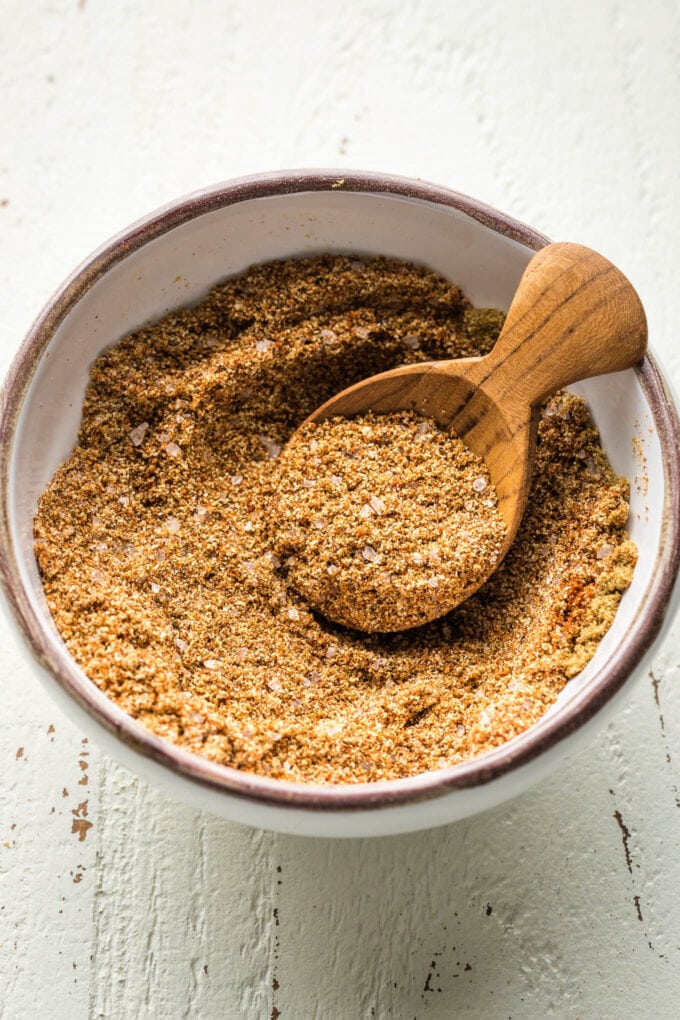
[171, 258]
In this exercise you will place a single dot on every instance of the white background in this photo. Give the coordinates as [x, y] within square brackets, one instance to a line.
[566, 901]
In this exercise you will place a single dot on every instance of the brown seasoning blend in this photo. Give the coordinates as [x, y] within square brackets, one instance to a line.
[384, 522]
[155, 539]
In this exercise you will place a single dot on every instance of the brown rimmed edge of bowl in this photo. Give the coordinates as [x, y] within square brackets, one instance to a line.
[54, 658]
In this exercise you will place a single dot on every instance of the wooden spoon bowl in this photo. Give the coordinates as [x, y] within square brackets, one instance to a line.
[574, 315]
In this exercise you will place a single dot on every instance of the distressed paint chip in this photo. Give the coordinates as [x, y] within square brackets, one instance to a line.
[80, 824]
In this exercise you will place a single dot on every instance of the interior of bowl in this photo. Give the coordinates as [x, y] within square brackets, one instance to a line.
[175, 264]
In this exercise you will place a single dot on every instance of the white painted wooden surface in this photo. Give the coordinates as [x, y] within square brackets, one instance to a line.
[116, 902]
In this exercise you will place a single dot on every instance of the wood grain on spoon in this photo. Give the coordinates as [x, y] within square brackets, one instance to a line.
[574, 315]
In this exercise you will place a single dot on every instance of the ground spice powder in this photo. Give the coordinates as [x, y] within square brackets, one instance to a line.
[154, 539]
[383, 522]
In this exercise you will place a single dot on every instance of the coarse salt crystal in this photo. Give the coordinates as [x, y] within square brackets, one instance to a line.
[200, 515]
[417, 558]
[362, 332]
[331, 728]
[274, 684]
[433, 558]
[97, 576]
[433, 582]
[320, 523]
[138, 433]
[369, 554]
[479, 484]
[331, 651]
[423, 429]
[365, 511]
[412, 341]
[263, 345]
[460, 729]
[173, 525]
[160, 555]
[308, 483]
[336, 479]
[331, 569]
[236, 479]
[155, 588]
[273, 449]
[328, 336]
[248, 526]
[377, 504]
[211, 663]
[293, 614]
[172, 450]
[604, 551]
[488, 502]
[180, 645]
[123, 500]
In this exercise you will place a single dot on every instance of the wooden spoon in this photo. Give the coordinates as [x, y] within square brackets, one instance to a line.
[574, 316]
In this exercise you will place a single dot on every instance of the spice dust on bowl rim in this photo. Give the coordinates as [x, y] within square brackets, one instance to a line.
[171, 259]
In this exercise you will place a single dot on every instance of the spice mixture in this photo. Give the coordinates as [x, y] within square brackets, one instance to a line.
[155, 539]
[384, 522]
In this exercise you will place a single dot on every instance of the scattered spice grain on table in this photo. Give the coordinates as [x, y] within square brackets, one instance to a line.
[156, 539]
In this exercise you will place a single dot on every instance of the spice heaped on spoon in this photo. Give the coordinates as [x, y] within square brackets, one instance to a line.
[380, 518]
[574, 316]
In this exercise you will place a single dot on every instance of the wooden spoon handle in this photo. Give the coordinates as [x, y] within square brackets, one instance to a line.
[574, 315]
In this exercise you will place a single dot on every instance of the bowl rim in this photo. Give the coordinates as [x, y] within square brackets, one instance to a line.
[52, 655]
